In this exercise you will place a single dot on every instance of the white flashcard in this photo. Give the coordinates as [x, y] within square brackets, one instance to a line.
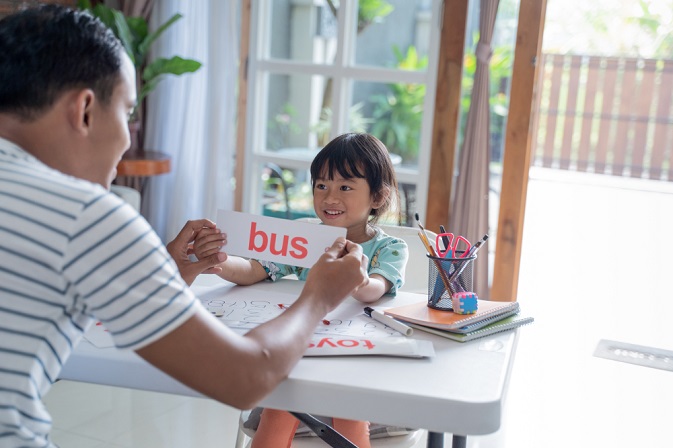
[284, 241]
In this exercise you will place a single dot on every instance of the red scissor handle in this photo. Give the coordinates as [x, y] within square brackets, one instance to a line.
[449, 251]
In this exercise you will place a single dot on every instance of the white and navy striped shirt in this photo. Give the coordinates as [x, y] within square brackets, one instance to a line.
[70, 253]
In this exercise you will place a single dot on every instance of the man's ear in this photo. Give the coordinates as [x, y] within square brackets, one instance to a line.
[80, 110]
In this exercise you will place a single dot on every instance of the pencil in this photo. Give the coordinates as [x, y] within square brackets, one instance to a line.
[431, 252]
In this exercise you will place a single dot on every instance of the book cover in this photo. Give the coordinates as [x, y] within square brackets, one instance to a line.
[508, 323]
[421, 314]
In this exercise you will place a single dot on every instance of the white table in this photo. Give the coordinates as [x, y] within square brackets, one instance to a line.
[459, 391]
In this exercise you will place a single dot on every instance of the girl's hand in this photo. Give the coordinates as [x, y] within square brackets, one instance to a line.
[208, 241]
[180, 249]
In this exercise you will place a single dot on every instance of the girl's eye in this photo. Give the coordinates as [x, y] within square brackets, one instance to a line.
[345, 188]
[320, 186]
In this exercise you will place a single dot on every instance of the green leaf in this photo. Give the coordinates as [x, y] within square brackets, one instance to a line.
[173, 66]
[84, 4]
[139, 30]
[148, 87]
[124, 33]
[149, 39]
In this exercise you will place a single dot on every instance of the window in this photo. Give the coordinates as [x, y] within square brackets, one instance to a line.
[319, 68]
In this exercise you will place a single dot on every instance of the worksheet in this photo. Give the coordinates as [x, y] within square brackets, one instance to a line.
[344, 332]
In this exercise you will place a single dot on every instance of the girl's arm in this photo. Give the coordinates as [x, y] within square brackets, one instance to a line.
[242, 271]
[373, 290]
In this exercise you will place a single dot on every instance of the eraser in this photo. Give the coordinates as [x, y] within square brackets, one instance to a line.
[464, 302]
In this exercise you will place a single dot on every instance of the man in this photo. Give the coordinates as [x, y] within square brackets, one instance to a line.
[71, 252]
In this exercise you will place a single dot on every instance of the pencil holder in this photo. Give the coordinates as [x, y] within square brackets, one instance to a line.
[447, 276]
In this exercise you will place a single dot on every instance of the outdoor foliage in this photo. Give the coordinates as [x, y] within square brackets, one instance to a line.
[398, 114]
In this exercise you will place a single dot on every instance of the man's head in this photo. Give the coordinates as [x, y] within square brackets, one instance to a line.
[46, 51]
[62, 72]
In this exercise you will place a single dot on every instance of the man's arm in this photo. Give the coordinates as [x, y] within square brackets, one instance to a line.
[240, 370]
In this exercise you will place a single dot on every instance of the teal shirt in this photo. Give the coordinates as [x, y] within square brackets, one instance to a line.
[387, 257]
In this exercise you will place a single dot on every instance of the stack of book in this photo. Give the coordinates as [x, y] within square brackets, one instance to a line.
[490, 318]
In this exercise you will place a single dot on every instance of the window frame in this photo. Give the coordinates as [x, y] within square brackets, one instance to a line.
[344, 73]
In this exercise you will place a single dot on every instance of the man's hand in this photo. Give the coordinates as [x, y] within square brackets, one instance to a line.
[180, 250]
[341, 270]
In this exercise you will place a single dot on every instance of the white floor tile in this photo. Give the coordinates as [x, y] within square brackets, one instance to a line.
[105, 412]
[67, 439]
[196, 423]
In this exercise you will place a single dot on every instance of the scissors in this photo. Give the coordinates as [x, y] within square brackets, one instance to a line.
[451, 244]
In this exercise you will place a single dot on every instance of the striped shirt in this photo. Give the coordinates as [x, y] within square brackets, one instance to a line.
[71, 253]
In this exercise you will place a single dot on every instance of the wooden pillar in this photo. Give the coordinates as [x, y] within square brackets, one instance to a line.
[516, 161]
[447, 112]
[242, 103]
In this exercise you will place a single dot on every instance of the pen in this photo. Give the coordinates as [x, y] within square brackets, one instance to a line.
[473, 250]
[389, 321]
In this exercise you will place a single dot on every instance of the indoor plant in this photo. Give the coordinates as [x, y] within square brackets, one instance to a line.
[135, 36]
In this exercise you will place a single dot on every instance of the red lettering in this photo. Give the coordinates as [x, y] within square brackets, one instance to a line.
[368, 344]
[283, 249]
[253, 239]
[299, 246]
[348, 343]
[326, 341]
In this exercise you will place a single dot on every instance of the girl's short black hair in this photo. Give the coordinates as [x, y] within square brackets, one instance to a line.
[359, 155]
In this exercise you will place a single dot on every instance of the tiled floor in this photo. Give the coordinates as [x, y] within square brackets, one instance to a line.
[578, 230]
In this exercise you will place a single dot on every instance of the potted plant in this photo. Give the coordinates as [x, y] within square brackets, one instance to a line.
[135, 36]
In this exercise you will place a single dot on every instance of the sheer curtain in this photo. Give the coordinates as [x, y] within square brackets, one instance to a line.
[469, 216]
[192, 117]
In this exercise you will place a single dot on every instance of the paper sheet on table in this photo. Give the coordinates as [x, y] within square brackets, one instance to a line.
[349, 331]
[346, 331]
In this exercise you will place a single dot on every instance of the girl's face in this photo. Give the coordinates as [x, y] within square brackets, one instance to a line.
[344, 203]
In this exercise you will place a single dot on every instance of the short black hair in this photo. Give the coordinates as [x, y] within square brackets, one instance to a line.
[363, 156]
[47, 50]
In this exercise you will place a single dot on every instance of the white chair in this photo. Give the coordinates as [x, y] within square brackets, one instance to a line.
[130, 195]
[416, 274]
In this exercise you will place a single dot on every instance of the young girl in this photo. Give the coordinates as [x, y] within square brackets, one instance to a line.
[353, 186]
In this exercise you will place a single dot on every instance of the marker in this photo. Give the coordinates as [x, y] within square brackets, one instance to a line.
[389, 321]
[445, 239]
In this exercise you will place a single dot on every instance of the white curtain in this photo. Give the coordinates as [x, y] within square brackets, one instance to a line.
[192, 117]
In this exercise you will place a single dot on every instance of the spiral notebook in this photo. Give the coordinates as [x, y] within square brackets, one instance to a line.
[421, 314]
[500, 325]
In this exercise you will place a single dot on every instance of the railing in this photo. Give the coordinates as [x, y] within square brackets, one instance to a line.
[605, 115]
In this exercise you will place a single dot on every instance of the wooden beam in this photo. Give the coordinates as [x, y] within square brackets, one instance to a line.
[242, 103]
[447, 112]
[516, 161]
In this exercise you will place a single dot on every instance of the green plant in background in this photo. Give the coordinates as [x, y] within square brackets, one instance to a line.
[282, 126]
[134, 34]
[398, 114]
[357, 122]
